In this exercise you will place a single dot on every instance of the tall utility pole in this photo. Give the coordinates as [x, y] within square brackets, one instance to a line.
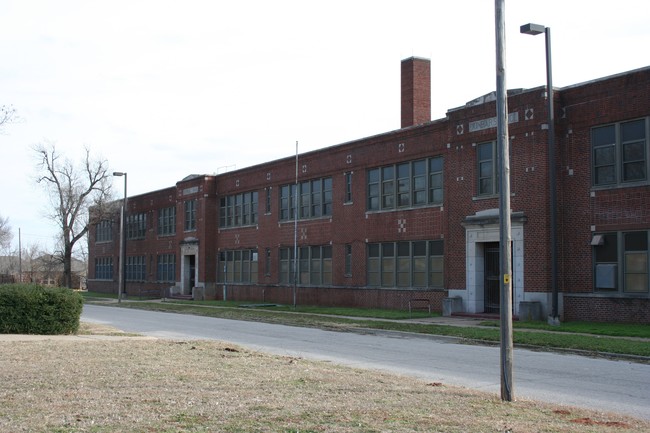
[20, 258]
[505, 238]
[295, 235]
[122, 280]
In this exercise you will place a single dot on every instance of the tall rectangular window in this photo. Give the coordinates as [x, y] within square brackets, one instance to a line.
[406, 264]
[436, 264]
[286, 266]
[435, 180]
[404, 185]
[348, 260]
[388, 187]
[403, 264]
[408, 184]
[304, 200]
[136, 226]
[267, 261]
[348, 187]
[327, 196]
[619, 153]
[287, 202]
[419, 180]
[167, 221]
[136, 268]
[166, 268]
[373, 189]
[104, 231]
[420, 264]
[374, 265]
[268, 200]
[104, 268]
[635, 262]
[487, 169]
[388, 264]
[190, 215]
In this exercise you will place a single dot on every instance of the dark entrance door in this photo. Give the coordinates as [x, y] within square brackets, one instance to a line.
[492, 278]
[192, 272]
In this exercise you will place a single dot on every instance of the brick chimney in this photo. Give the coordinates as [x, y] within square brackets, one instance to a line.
[416, 91]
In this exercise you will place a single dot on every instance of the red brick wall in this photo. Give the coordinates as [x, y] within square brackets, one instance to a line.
[580, 207]
[602, 309]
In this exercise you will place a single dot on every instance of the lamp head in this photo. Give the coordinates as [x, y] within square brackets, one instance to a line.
[532, 29]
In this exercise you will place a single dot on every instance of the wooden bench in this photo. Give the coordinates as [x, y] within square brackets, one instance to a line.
[419, 304]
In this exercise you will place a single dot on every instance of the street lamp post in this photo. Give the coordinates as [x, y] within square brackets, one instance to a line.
[536, 29]
[122, 278]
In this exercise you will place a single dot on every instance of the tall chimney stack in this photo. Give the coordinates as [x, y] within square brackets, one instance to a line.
[416, 91]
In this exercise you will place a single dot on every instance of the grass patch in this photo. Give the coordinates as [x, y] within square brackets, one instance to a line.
[206, 386]
[375, 313]
[538, 338]
[595, 328]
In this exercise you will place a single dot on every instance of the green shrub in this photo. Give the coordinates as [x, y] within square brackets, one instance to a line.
[33, 309]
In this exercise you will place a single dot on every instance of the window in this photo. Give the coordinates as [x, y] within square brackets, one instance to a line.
[167, 221]
[348, 260]
[621, 262]
[136, 226]
[287, 202]
[190, 215]
[406, 264]
[268, 200]
[314, 265]
[408, 184]
[238, 210]
[388, 187]
[488, 179]
[267, 261]
[166, 268]
[348, 187]
[237, 266]
[104, 231]
[635, 262]
[435, 180]
[104, 268]
[314, 199]
[619, 153]
[136, 268]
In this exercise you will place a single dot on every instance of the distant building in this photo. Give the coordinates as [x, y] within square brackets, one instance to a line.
[45, 269]
[413, 213]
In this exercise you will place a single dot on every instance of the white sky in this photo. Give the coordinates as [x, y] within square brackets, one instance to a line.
[163, 89]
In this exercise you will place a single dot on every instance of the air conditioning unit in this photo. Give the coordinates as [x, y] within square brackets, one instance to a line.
[606, 276]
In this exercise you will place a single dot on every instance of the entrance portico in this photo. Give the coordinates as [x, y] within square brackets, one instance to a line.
[189, 265]
[482, 235]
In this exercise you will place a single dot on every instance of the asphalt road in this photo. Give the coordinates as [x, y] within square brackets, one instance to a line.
[613, 386]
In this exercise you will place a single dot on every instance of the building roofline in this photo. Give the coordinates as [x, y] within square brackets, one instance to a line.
[607, 77]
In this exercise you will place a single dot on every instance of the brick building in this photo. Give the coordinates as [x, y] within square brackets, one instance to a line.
[413, 213]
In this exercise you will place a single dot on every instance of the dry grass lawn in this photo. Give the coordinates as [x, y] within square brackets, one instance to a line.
[133, 385]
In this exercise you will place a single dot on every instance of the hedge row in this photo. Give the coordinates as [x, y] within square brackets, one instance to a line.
[33, 309]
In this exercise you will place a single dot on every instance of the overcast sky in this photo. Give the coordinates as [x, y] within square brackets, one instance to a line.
[163, 89]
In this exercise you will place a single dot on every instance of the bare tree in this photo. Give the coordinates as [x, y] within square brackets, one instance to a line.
[72, 190]
[7, 115]
[6, 236]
